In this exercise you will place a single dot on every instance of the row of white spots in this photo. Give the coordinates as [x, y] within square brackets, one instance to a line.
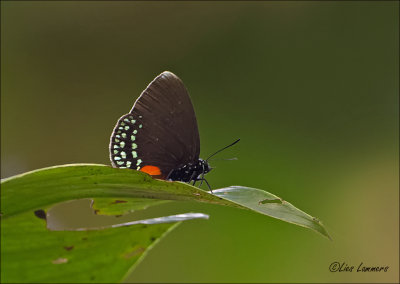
[134, 146]
[121, 144]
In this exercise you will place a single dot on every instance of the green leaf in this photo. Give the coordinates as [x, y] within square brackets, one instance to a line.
[32, 253]
[269, 204]
[44, 187]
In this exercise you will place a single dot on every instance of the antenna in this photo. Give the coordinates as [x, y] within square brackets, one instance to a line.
[223, 149]
[224, 159]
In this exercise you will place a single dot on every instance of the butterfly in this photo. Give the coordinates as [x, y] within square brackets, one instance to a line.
[160, 136]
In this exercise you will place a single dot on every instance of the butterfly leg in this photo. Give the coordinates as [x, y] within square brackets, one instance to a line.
[209, 187]
[192, 178]
[170, 172]
[202, 176]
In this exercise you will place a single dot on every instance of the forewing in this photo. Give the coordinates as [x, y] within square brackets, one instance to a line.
[160, 130]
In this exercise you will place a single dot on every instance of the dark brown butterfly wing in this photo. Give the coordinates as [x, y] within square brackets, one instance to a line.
[160, 130]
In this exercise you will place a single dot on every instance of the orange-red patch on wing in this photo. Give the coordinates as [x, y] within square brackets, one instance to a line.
[151, 170]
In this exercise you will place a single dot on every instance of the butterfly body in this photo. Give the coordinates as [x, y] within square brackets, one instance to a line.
[190, 171]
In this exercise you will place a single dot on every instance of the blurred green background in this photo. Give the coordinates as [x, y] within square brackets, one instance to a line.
[311, 88]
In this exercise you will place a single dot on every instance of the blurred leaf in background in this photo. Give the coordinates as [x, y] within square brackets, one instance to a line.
[311, 88]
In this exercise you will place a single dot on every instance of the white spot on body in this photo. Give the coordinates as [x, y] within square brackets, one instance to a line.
[120, 163]
[123, 155]
[116, 158]
[122, 144]
[123, 135]
[135, 131]
[115, 151]
[134, 146]
[139, 161]
[128, 163]
[133, 121]
[133, 137]
[140, 126]
[126, 127]
[134, 154]
[116, 147]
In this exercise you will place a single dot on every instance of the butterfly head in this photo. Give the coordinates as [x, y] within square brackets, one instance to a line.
[204, 166]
